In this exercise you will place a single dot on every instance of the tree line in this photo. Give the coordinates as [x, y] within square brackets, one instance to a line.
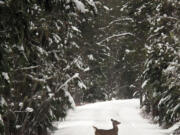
[40, 60]
[143, 38]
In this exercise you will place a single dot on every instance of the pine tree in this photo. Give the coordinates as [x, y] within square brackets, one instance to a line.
[38, 62]
[162, 47]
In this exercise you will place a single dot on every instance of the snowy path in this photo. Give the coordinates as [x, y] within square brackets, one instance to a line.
[80, 121]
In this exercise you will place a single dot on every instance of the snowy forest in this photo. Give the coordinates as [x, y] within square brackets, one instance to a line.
[57, 54]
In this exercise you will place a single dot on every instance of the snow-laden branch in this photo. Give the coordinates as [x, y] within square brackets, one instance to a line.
[116, 21]
[121, 19]
[151, 36]
[78, 62]
[39, 80]
[35, 79]
[63, 87]
[92, 4]
[115, 36]
[80, 6]
[28, 68]
[76, 75]
[168, 17]
[69, 65]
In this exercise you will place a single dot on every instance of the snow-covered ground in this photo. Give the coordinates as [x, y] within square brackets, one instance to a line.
[81, 120]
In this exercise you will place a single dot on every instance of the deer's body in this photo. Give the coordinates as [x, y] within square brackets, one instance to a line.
[113, 131]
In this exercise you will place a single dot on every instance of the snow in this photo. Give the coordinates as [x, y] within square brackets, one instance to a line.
[51, 95]
[81, 85]
[65, 86]
[144, 83]
[164, 100]
[41, 50]
[115, 36]
[106, 8]
[92, 3]
[21, 104]
[56, 38]
[75, 29]
[170, 69]
[2, 2]
[36, 79]
[158, 29]
[75, 44]
[76, 75]
[1, 120]
[81, 119]
[18, 126]
[39, 97]
[57, 26]
[91, 57]
[29, 109]
[71, 100]
[12, 104]
[86, 69]
[2, 101]
[48, 88]
[176, 108]
[50, 41]
[79, 63]
[132, 86]
[141, 8]
[123, 7]
[80, 6]
[6, 76]
[29, 68]
[129, 51]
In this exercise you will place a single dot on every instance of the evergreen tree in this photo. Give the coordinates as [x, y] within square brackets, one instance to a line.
[162, 48]
[38, 56]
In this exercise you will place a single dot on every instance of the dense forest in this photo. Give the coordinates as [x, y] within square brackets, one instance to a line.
[55, 54]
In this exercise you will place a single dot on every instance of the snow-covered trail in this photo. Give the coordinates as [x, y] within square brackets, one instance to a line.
[80, 120]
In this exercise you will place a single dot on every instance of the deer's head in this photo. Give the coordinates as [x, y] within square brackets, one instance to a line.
[115, 122]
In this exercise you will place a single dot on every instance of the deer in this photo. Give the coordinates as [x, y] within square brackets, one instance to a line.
[113, 131]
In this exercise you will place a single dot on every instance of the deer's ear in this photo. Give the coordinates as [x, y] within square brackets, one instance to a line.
[119, 122]
[112, 119]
